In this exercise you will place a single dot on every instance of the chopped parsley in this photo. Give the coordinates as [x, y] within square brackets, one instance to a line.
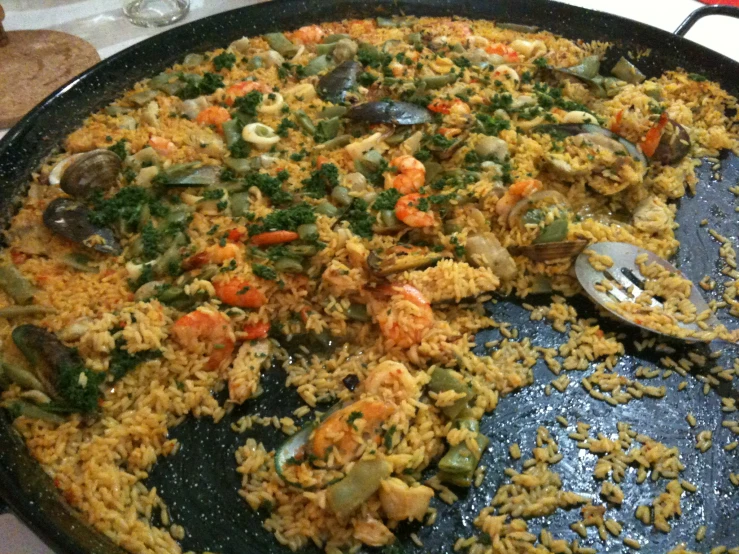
[122, 361]
[697, 77]
[386, 200]
[248, 103]
[264, 272]
[240, 148]
[354, 416]
[492, 126]
[119, 149]
[285, 125]
[366, 79]
[288, 219]
[442, 142]
[269, 186]
[224, 60]
[322, 181]
[360, 221]
[195, 85]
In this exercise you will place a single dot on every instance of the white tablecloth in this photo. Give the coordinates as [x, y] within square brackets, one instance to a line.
[101, 22]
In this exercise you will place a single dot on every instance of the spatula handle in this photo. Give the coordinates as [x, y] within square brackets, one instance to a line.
[3, 34]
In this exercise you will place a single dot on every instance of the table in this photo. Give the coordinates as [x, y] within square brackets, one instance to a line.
[101, 22]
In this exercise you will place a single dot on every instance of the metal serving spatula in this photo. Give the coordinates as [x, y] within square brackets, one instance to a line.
[627, 283]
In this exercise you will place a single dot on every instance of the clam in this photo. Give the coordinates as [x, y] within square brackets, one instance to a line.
[550, 251]
[71, 220]
[333, 86]
[399, 259]
[395, 113]
[597, 135]
[95, 170]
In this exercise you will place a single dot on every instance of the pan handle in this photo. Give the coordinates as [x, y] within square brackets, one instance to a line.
[700, 13]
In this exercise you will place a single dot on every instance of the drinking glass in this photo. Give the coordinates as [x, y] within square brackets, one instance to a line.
[155, 13]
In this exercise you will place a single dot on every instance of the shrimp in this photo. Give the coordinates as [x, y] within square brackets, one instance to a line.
[211, 326]
[213, 254]
[447, 107]
[411, 175]
[214, 115]
[243, 88]
[344, 431]
[506, 52]
[405, 317]
[162, 146]
[240, 293]
[407, 211]
[390, 379]
[516, 192]
[310, 34]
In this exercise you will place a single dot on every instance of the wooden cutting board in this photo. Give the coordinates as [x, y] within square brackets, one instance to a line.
[35, 63]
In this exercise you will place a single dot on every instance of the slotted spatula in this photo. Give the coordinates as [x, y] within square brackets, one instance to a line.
[627, 283]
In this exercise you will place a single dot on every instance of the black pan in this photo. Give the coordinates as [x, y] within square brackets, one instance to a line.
[199, 483]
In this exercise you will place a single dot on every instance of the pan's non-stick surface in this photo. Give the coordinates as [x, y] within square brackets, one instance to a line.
[200, 483]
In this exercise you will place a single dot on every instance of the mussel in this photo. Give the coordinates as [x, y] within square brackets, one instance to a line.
[71, 220]
[395, 113]
[400, 258]
[550, 251]
[59, 369]
[334, 86]
[674, 144]
[95, 170]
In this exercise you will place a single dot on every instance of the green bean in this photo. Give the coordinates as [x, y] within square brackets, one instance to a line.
[30, 310]
[144, 215]
[458, 465]
[451, 228]
[117, 110]
[388, 219]
[231, 131]
[316, 65]
[333, 111]
[170, 257]
[341, 196]
[327, 48]
[239, 165]
[324, 208]
[16, 285]
[254, 63]
[161, 80]
[389, 22]
[335, 38]
[358, 312]
[308, 231]
[23, 408]
[170, 294]
[143, 97]
[556, 231]
[239, 204]
[627, 71]
[358, 486]
[390, 44]
[288, 265]
[279, 42]
[328, 128]
[415, 38]
[446, 379]
[437, 81]
[304, 122]
[433, 170]
[338, 142]
[80, 262]
[303, 250]
[178, 215]
[457, 48]
[397, 138]
[518, 28]
[21, 377]
[193, 60]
